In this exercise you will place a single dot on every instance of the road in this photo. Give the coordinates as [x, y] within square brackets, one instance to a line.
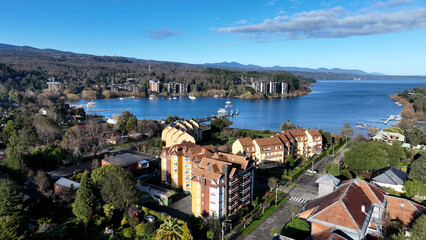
[305, 190]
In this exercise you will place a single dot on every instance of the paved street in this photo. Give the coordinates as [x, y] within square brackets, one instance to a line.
[306, 190]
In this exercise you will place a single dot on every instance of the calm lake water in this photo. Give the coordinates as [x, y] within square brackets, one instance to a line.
[328, 106]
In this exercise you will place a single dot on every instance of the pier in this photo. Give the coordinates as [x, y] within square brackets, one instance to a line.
[393, 118]
[211, 117]
[113, 109]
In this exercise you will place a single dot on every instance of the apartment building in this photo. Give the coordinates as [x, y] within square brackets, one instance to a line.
[244, 146]
[314, 142]
[154, 86]
[182, 131]
[176, 87]
[222, 184]
[270, 152]
[270, 87]
[177, 163]
[301, 139]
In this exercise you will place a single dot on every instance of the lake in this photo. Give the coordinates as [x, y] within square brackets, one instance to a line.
[330, 104]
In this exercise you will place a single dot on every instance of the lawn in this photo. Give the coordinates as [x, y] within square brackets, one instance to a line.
[262, 217]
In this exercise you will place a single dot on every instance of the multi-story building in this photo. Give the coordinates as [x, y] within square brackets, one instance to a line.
[54, 84]
[270, 87]
[176, 87]
[244, 146]
[177, 163]
[301, 139]
[270, 152]
[222, 184]
[314, 142]
[182, 131]
[154, 86]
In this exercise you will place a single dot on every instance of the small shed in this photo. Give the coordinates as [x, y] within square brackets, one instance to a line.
[327, 184]
[128, 161]
[65, 184]
[389, 177]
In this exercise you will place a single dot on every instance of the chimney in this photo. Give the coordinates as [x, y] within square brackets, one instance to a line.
[363, 207]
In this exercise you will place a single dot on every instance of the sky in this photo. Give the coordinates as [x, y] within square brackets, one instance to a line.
[386, 37]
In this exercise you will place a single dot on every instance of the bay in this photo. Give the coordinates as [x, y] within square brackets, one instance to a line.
[330, 104]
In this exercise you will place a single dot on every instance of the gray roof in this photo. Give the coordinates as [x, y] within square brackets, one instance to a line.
[68, 171]
[328, 179]
[389, 175]
[65, 182]
[123, 160]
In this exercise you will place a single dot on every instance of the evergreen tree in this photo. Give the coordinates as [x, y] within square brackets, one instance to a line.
[418, 169]
[85, 198]
[418, 230]
[396, 153]
[11, 228]
[173, 229]
[10, 198]
[131, 124]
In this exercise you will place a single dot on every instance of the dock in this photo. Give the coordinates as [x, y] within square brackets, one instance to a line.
[393, 118]
[211, 117]
[106, 110]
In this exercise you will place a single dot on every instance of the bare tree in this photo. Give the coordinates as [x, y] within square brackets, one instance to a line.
[272, 182]
[42, 180]
[94, 136]
[72, 139]
[347, 130]
[47, 131]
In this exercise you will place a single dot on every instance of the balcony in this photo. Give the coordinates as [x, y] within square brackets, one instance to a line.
[233, 205]
[246, 189]
[235, 181]
[234, 197]
[247, 175]
[247, 182]
[231, 191]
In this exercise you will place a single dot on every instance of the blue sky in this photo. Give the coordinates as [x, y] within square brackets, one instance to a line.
[375, 36]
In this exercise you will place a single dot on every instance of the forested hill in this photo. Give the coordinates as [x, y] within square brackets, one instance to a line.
[27, 69]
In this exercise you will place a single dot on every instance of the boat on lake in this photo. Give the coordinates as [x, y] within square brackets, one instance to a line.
[192, 97]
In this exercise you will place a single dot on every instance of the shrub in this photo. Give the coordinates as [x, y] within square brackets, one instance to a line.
[345, 173]
[129, 233]
[124, 221]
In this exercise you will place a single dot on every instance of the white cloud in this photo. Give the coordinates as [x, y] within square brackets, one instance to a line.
[334, 23]
[159, 34]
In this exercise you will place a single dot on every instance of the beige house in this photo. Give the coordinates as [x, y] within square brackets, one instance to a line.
[270, 152]
[181, 131]
[244, 146]
[314, 142]
[301, 139]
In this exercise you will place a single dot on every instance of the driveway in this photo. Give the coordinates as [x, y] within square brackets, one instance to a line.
[179, 209]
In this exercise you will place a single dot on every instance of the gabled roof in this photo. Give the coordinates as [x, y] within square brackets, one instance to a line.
[404, 210]
[328, 179]
[268, 141]
[328, 234]
[231, 158]
[314, 132]
[123, 160]
[389, 175]
[297, 133]
[343, 207]
[65, 182]
[246, 142]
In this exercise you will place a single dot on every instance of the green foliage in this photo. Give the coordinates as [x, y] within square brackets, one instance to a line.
[149, 230]
[396, 153]
[415, 136]
[418, 169]
[414, 187]
[61, 110]
[367, 156]
[122, 120]
[85, 198]
[109, 210]
[173, 229]
[210, 234]
[129, 233]
[394, 130]
[296, 228]
[418, 230]
[326, 138]
[215, 225]
[14, 162]
[287, 125]
[10, 198]
[46, 158]
[272, 182]
[117, 186]
[11, 228]
[196, 225]
[131, 124]
[345, 173]
[8, 130]
[333, 169]
[220, 123]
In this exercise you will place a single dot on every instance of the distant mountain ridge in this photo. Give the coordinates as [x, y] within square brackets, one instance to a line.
[290, 69]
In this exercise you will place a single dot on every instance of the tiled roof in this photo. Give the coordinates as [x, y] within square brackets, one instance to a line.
[246, 142]
[343, 207]
[297, 133]
[389, 175]
[314, 133]
[404, 210]
[328, 234]
[231, 158]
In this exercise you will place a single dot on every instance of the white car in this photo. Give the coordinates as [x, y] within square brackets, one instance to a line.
[312, 171]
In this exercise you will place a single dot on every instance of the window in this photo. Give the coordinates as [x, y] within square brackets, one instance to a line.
[202, 194]
[247, 149]
[186, 178]
[186, 172]
[175, 164]
[175, 170]
[175, 157]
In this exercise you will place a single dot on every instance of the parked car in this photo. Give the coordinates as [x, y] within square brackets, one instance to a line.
[312, 171]
[150, 218]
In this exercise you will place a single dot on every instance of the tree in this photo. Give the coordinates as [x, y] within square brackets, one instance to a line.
[415, 136]
[367, 156]
[173, 229]
[290, 160]
[418, 230]
[196, 225]
[8, 130]
[10, 198]
[14, 162]
[287, 125]
[220, 123]
[215, 225]
[418, 169]
[11, 228]
[84, 199]
[118, 187]
[326, 139]
[333, 169]
[47, 130]
[347, 130]
[272, 182]
[414, 187]
[94, 136]
[396, 153]
[61, 110]
[42, 180]
[122, 120]
[131, 124]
